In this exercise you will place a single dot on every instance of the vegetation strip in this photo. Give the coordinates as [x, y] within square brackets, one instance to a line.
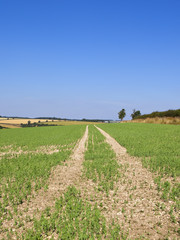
[140, 208]
[72, 218]
[114, 198]
[100, 163]
[16, 192]
[158, 147]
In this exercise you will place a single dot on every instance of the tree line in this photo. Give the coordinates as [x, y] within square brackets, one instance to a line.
[136, 114]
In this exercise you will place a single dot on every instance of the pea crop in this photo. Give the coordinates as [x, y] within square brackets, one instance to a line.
[50, 189]
[159, 148]
[24, 173]
[100, 161]
[32, 138]
[72, 218]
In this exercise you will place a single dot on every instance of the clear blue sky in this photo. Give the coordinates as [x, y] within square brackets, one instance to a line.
[89, 58]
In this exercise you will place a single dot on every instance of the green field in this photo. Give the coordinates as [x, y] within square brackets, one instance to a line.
[31, 138]
[29, 170]
[29, 155]
[157, 145]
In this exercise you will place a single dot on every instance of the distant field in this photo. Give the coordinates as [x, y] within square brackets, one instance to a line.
[19, 120]
[16, 122]
[3, 118]
[65, 123]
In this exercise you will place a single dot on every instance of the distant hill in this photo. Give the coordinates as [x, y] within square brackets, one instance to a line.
[169, 113]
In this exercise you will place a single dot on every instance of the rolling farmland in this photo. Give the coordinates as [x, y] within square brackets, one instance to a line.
[77, 182]
[19, 122]
[16, 122]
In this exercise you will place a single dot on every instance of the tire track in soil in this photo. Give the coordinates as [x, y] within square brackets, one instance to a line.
[61, 177]
[136, 204]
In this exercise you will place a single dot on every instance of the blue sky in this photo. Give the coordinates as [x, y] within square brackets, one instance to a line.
[89, 58]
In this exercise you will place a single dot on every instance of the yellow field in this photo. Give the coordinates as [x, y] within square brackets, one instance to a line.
[16, 122]
[3, 119]
[19, 121]
[5, 125]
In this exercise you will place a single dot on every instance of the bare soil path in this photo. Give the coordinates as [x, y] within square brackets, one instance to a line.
[136, 204]
[61, 177]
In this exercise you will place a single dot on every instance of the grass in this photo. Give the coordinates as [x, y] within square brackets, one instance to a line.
[100, 163]
[158, 147]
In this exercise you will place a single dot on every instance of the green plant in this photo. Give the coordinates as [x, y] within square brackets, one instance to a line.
[100, 163]
[72, 218]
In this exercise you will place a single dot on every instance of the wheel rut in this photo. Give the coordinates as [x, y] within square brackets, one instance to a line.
[137, 205]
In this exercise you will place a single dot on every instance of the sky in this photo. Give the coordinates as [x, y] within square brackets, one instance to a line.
[89, 58]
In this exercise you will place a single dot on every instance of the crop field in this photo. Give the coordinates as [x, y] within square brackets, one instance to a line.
[67, 123]
[77, 182]
[16, 122]
[159, 148]
[27, 156]
[20, 120]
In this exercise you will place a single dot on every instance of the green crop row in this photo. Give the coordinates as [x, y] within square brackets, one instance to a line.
[22, 174]
[73, 218]
[157, 145]
[100, 163]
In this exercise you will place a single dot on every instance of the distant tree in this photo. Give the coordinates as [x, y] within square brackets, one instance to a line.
[135, 114]
[29, 122]
[122, 114]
